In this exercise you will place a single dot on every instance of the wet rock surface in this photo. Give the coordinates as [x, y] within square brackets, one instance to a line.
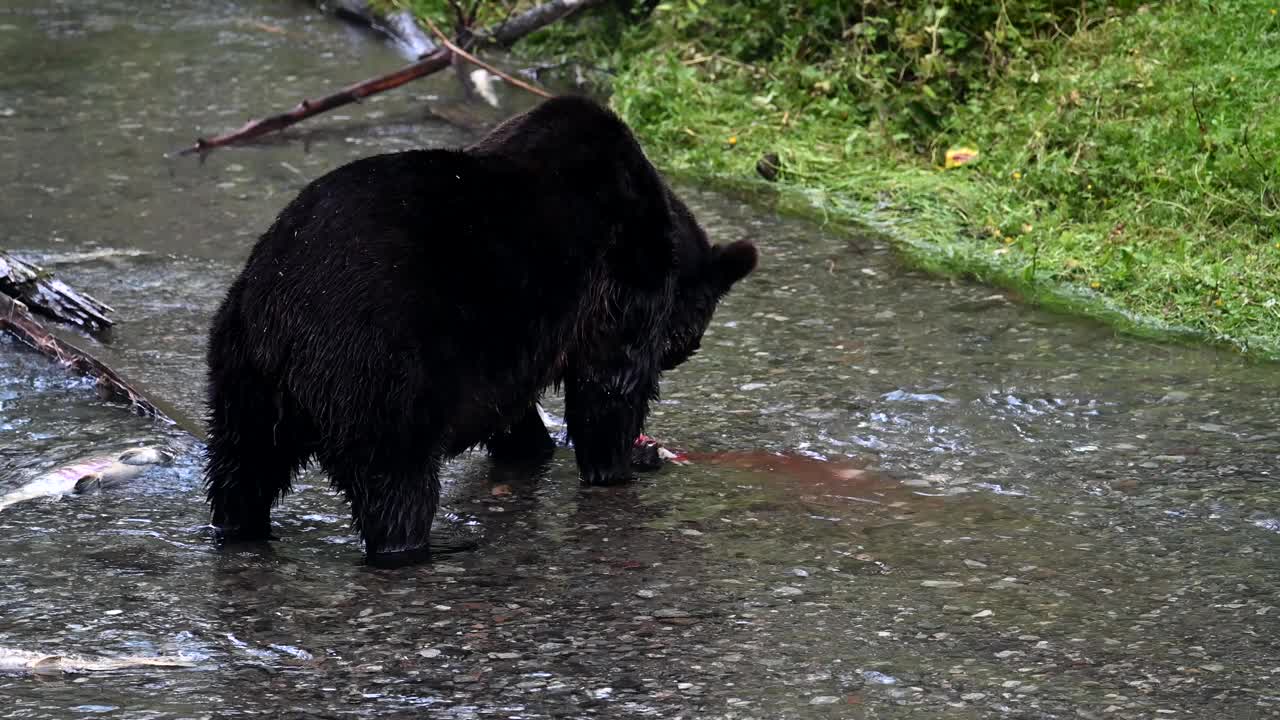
[913, 499]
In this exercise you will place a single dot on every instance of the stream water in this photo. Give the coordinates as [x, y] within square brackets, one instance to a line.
[915, 499]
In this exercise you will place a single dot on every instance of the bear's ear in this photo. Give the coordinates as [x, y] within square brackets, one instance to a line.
[733, 262]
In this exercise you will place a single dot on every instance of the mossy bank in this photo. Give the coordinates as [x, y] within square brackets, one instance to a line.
[1127, 155]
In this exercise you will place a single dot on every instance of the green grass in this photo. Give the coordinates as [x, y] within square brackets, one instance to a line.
[1129, 160]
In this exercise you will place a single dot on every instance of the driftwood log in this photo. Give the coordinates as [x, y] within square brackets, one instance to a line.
[25, 288]
[40, 291]
[398, 25]
[504, 35]
[18, 321]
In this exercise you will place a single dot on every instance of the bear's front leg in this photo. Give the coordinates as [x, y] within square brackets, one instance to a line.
[604, 417]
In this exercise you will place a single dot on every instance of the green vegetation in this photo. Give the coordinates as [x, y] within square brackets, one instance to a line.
[1129, 155]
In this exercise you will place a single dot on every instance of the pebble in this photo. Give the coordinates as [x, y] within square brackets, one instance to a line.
[975, 564]
[825, 700]
[941, 583]
[670, 613]
[970, 697]
[646, 594]
[799, 572]
[982, 614]
[878, 678]
[429, 653]
[787, 591]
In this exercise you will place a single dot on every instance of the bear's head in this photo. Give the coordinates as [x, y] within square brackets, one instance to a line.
[706, 274]
[584, 147]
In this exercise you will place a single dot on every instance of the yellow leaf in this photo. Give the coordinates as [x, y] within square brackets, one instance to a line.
[959, 156]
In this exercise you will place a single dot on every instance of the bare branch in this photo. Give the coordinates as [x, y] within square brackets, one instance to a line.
[477, 61]
[434, 62]
[504, 35]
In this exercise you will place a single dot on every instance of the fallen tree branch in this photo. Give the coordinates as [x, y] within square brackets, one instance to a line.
[19, 322]
[503, 35]
[434, 62]
[39, 290]
[477, 61]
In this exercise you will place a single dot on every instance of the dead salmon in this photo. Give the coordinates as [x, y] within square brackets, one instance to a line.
[26, 661]
[89, 474]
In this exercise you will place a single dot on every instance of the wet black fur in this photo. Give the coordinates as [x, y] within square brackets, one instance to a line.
[407, 307]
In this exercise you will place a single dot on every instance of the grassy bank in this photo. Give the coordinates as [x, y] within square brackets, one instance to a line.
[1128, 155]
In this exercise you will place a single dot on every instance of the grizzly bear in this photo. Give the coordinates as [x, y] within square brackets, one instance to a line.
[407, 307]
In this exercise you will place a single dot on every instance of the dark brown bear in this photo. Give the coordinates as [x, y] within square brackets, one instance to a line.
[407, 307]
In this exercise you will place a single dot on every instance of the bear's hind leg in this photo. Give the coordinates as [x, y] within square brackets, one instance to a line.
[254, 449]
[526, 441]
[392, 506]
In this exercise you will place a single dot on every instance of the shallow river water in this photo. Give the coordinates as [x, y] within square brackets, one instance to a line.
[914, 499]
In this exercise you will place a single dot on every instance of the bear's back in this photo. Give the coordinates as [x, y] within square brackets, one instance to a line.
[424, 251]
